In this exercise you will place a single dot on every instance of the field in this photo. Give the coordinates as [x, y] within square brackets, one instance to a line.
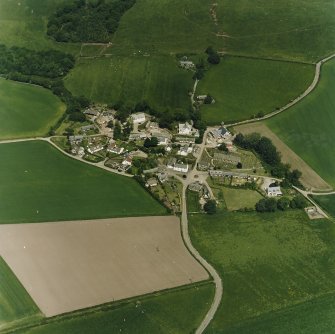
[268, 262]
[236, 199]
[308, 128]
[310, 178]
[243, 87]
[123, 257]
[172, 312]
[327, 203]
[15, 303]
[158, 80]
[38, 183]
[22, 119]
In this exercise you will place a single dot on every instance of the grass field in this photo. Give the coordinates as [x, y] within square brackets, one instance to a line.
[236, 199]
[15, 303]
[174, 312]
[268, 262]
[308, 128]
[23, 23]
[26, 110]
[327, 203]
[158, 80]
[38, 183]
[243, 87]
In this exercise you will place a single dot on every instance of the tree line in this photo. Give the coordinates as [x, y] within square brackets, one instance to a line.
[283, 204]
[87, 21]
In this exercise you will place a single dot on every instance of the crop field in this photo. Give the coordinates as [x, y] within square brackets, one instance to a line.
[158, 80]
[310, 178]
[38, 183]
[243, 87]
[23, 23]
[15, 303]
[268, 262]
[26, 110]
[122, 257]
[327, 203]
[308, 127]
[172, 312]
[301, 30]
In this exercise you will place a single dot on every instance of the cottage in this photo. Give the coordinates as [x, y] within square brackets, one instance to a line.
[95, 148]
[138, 118]
[113, 148]
[185, 129]
[171, 163]
[162, 177]
[187, 64]
[185, 150]
[181, 168]
[274, 191]
[152, 182]
[127, 162]
[91, 112]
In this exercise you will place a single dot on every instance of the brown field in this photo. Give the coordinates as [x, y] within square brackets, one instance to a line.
[310, 179]
[67, 266]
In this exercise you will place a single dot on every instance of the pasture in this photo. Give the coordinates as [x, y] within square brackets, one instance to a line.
[122, 257]
[15, 303]
[308, 127]
[327, 203]
[171, 312]
[38, 183]
[310, 178]
[244, 87]
[157, 80]
[268, 262]
[26, 110]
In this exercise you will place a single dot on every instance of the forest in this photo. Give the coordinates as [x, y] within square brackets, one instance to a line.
[91, 21]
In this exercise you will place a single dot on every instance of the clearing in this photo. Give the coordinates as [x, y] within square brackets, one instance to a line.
[39, 183]
[26, 110]
[74, 265]
[268, 262]
[243, 87]
[308, 127]
[310, 179]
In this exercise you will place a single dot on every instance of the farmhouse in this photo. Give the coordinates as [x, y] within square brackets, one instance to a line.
[185, 150]
[182, 168]
[273, 191]
[95, 148]
[185, 129]
[221, 133]
[113, 148]
[152, 182]
[91, 112]
[138, 118]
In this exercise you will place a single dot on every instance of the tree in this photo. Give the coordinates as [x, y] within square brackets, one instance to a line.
[208, 99]
[266, 205]
[210, 207]
[298, 202]
[117, 134]
[77, 116]
[283, 203]
[239, 165]
[214, 58]
[223, 147]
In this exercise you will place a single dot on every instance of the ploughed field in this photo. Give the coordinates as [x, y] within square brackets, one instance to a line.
[308, 127]
[39, 183]
[27, 111]
[67, 266]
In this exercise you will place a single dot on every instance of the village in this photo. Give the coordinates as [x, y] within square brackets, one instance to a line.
[159, 157]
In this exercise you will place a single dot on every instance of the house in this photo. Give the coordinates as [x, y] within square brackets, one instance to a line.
[137, 136]
[181, 140]
[274, 191]
[168, 148]
[185, 129]
[152, 182]
[76, 139]
[201, 97]
[185, 150]
[162, 140]
[171, 163]
[162, 177]
[138, 118]
[221, 133]
[181, 168]
[87, 128]
[95, 148]
[187, 64]
[91, 112]
[203, 165]
[113, 148]
[127, 162]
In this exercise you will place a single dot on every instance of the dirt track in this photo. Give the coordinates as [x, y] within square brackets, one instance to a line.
[72, 265]
[310, 179]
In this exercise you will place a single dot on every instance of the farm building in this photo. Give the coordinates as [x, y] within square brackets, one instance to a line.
[187, 64]
[182, 168]
[138, 118]
[274, 191]
[185, 129]
[221, 133]
[152, 182]
[91, 112]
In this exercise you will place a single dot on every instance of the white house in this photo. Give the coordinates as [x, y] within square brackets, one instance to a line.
[185, 129]
[152, 182]
[94, 149]
[113, 148]
[162, 140]
[127, 162]
[182, 168]
[274, 191]
[221, 133]
[187, 64]
[185, 150]
[138, 118]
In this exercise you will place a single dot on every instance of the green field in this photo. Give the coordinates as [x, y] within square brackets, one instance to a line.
[308, 127]
[268, 262]
[243, 87]
[26, 110]
[23, 23]
[236, 199]
[15, 303]
[327, 203]
[158, 80]
[38, 183]
[171, 313]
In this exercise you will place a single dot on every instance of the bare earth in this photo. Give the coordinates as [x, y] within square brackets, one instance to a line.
[66, 266]
[310, 179]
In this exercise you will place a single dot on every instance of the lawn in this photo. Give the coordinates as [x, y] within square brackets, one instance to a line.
[26, 110]
[38, 183]
[177, 311]
[243, 87]
[308, 127]
[15, 303]
[236, 199]
[268, 262]
[327, 203]
[158, 80]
